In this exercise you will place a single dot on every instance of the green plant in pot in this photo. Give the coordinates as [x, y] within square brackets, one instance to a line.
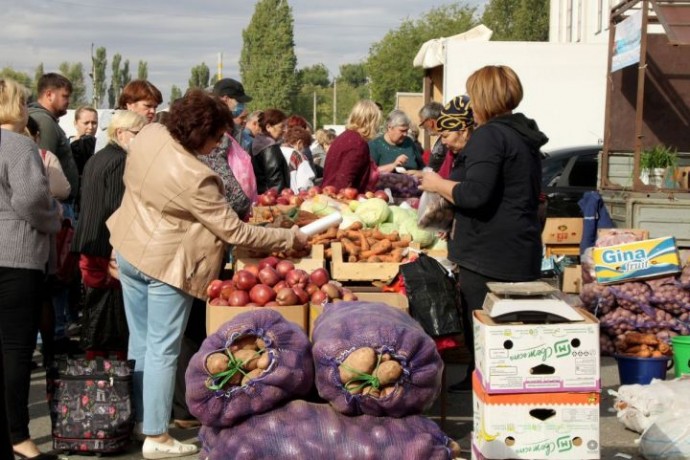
[654, 162]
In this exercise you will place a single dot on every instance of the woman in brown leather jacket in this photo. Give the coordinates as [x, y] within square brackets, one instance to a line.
[169, 235]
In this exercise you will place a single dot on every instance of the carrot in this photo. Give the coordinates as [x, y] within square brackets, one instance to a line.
[328, 253]
[373, 259]
[372, 241]
[380, 247]
[397, 255]
[349, 247]
[352, 258]
[355, 226]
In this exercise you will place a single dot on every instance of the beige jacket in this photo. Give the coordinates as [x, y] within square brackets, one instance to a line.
[57, 181]
[174, 222]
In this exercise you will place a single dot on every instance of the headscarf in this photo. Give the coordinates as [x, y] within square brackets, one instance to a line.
[456, 115]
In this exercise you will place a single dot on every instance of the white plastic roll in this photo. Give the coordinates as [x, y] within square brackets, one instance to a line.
[322, 224]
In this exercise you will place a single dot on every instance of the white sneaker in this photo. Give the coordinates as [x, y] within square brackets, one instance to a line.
[153, 450]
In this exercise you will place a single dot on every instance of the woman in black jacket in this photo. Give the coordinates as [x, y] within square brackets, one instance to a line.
[104, 325]
[495, 192]
[270, 168]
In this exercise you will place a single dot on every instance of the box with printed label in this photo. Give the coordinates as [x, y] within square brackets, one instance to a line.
[636, 260]
[537, 358]
[562, 230]
[217, 315]
[538, 426]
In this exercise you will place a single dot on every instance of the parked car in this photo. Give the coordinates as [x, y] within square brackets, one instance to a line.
[566, 175]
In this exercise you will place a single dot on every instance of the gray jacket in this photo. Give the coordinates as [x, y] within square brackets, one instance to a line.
[28, 215]
[53, 138]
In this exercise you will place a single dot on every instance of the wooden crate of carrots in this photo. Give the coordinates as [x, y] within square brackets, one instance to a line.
[363, 254]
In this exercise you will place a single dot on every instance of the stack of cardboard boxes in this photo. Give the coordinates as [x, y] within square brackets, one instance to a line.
[536, 388]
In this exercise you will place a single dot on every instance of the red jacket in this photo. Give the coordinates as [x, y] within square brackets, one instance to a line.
[348, 163]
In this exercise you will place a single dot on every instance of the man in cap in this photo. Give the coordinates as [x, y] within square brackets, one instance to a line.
[232, 93]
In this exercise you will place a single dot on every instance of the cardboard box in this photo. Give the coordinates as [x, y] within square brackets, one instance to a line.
[637, 260]
[554, 426]
[537, 358]
[216, 316]
[390, 298]
[562, 230]
[244, 256]
[683, 177]
[572, 279]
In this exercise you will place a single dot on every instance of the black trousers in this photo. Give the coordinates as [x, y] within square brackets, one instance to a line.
[472, 292]
[20, 308]
[194, 335]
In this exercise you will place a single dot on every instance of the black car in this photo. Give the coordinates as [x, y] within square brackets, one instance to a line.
[566, 174]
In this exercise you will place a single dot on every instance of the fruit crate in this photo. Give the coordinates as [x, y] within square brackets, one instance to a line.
[217, 315]
[360, 271]
[316, 259]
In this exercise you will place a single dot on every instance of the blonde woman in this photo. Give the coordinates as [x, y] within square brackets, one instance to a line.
[30, 218]
[348, 163]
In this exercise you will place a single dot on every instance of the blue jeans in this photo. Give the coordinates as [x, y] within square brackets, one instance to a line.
[157, 315]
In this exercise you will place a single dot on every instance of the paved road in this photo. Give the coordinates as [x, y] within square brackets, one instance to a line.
[615, 438]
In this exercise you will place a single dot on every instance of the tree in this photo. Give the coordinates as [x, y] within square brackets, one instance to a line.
[175, 93]
[523, 20]
[115, 81]
[268, 61]
[354, 74]
[389, 63]
[20, 77]
[38, 73]
[316, 75]
[143, 70]
[75, 74]
[200, 76]
[100, 61]
[125, 75]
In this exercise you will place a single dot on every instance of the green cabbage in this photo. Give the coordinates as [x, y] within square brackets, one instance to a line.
[423, 237]
[388, 227]
[349, 218]
[399, 214]
[374, 211]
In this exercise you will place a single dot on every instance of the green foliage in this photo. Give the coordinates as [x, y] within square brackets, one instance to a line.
[347, 96]
[389, 64]
[518, 20]
[200, 76]
[115, 80]
[125, 75]
[354, 74]
[37, 75]
[100, 62]
[659, 156]
[75, 74]
[20, 77]
[175, 93]
[316, 75]
[143, 70]
[268, 61]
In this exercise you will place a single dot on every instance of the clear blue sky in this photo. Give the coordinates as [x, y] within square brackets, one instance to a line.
[175, 36]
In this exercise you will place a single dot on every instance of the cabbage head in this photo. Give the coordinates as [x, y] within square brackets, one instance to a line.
[373, 212]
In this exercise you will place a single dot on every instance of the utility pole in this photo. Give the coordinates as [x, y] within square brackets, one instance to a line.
[314, 113]
[335, 98]
[219, 70]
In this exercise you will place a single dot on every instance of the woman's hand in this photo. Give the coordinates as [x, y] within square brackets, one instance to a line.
[112, 267]
[429, 181]
[300, 241]
[401, 160]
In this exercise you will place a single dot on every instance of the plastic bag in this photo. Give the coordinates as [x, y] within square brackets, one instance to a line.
[435, 212]
[668, 437]
[303, 430]
[240, 164]
[347, 326]
[290, 375]
[433, 296]
[103, 322]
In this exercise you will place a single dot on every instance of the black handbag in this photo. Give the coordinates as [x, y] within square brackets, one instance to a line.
[433, 296]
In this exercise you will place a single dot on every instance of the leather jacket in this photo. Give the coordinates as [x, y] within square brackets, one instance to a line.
[271, 169]
[174, 222]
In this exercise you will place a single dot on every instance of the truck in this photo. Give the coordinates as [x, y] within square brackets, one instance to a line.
[647, 105]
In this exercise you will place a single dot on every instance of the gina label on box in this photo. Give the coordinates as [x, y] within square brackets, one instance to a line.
[641, 259]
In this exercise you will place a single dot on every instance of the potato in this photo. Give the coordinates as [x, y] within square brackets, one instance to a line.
[249, 359]
[264, 361]
[362, 360]
[387, 391]
[454, 449]
[216, 363]
[260, 344]
[386, 357]
[250, 375]
[388, 372]
[248, 342]
[354, 387]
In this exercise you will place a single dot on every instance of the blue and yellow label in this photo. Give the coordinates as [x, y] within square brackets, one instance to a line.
[640, 259]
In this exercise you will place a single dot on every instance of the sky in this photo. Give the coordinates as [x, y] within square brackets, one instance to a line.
[173, 36]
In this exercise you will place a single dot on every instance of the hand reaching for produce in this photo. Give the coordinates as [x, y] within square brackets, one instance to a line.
[429, 181]
[300, 241]
[401, 160]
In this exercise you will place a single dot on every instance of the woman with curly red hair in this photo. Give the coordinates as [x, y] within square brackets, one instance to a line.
[169, 235]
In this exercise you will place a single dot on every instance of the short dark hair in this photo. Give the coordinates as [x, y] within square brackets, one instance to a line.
[271, 117]
[138, 90]
[297, 120]
[32, 127]
[297, 133]
[52, 80]
[196, 117]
